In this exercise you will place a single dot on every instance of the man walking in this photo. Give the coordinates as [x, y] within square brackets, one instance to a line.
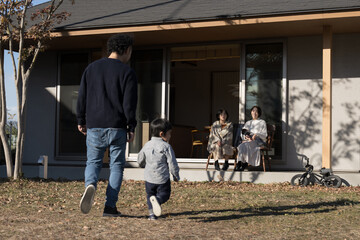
[106, 110]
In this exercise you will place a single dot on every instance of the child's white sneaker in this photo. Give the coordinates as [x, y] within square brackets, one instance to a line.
[87, 199]
[155, 206]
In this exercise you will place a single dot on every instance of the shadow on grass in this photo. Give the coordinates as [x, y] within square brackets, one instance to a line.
[135, 217]
[268, 211]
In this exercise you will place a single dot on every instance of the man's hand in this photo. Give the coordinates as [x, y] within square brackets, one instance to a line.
[130, 136]
[82, 129]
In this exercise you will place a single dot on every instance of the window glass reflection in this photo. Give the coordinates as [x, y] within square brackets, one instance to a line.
[264, 84]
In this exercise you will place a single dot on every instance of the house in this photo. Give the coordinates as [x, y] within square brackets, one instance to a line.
[298, 60]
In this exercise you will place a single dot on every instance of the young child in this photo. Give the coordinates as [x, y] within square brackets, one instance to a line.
[159, 160]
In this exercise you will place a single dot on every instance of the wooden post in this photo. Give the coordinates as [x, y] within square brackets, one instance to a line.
[327, 98]
[145, 132]
[46, 160]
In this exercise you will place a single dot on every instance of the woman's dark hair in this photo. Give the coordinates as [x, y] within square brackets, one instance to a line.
[220, 111]
[119, 43]
[159, 125]
[258, 108]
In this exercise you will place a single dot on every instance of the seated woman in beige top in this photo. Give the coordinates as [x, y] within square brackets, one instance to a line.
[220, 139]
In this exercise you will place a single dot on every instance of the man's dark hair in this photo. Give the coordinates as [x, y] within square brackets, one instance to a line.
[220, 111]
[258, 108]
[119, 43]
[159, 125]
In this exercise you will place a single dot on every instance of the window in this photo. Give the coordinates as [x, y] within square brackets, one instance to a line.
[70, 142]
[148, 67]
[263, 75]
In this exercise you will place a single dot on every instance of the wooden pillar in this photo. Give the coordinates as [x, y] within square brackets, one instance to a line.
[145, 132]
[327, 98]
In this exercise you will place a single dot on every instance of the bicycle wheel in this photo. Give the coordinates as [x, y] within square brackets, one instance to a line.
[332, 181]
[299, 180]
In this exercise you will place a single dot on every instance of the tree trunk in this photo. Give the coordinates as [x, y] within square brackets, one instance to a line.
[20, 129]
[20, 92]
[21, 122]
[4, 139]
[18, 150]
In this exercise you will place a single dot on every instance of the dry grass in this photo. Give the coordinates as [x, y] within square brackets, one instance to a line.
[36, 209]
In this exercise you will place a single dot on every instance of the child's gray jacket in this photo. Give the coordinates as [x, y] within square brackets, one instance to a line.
[159, 160]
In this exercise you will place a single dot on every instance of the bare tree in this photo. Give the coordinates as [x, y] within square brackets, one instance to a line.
[28, 40]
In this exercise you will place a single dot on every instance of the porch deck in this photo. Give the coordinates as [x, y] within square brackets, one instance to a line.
[190, 174]
[188, 171]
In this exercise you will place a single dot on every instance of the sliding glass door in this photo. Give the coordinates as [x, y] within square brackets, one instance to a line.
[70, 142]
[148, 65]
[264, 86]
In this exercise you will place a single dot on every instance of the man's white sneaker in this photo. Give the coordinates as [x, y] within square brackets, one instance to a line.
[155, 206]
[87, 199]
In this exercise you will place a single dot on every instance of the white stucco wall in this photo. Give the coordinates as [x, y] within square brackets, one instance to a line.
[346, 102]
[304, 65]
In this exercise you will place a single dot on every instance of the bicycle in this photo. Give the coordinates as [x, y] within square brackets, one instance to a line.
[326, 177]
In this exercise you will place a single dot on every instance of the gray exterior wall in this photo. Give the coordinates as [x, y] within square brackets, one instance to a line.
[41, 110]
[304, 64]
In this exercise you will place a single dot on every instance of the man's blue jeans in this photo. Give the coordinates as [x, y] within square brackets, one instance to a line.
[97, 140]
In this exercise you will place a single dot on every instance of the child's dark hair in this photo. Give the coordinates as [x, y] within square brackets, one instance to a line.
[159, 125]
[220, 111]
[119, 43]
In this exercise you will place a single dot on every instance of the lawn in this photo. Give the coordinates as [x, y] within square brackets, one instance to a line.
[38, 209]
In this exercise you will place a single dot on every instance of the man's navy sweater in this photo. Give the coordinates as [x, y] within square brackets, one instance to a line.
[108, 95]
